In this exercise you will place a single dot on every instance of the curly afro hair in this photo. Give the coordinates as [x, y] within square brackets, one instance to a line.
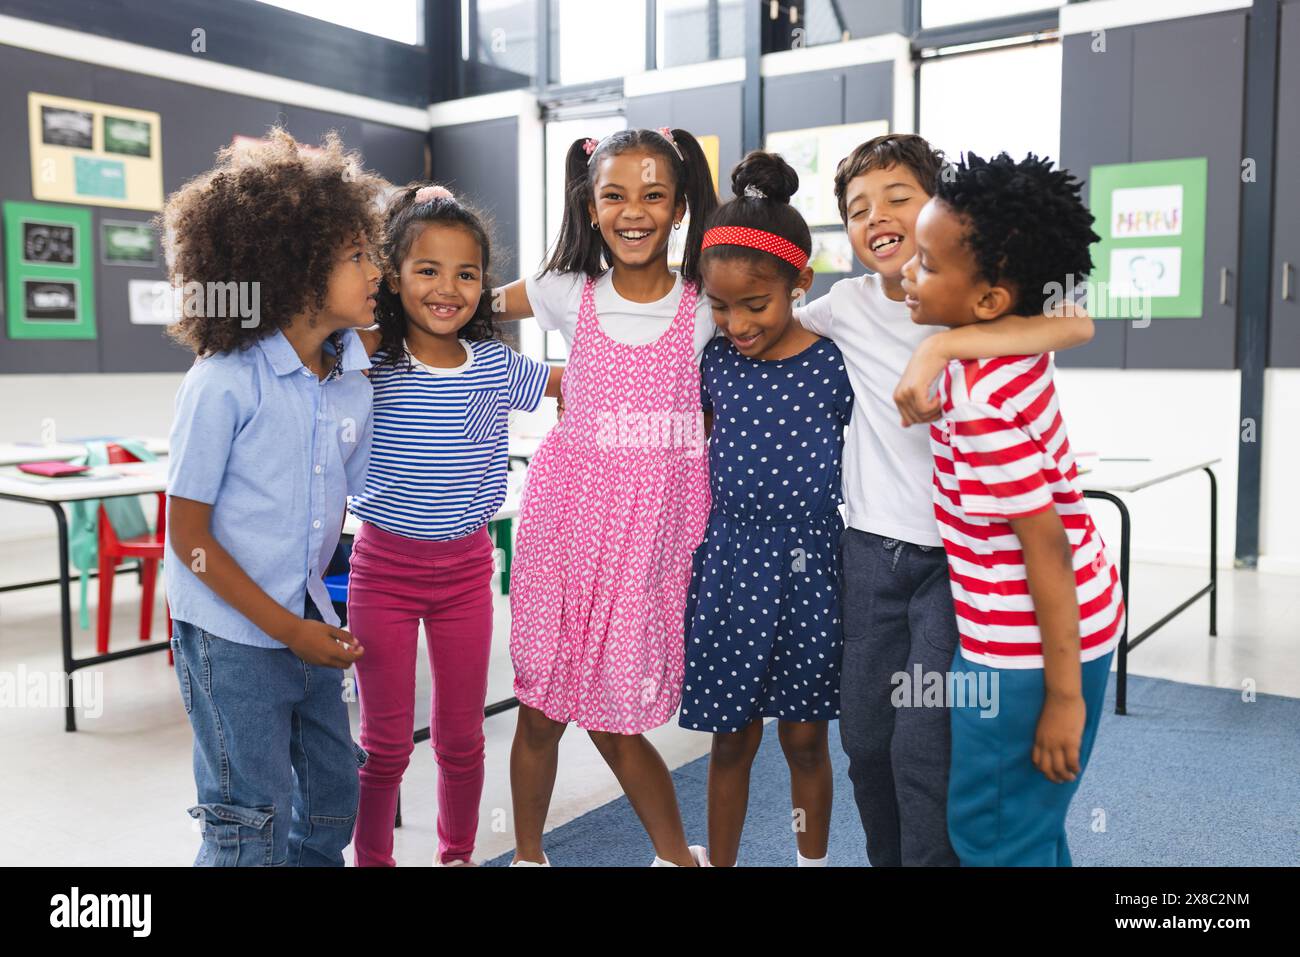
[1026, 224]
[403, 219]
[269, 212]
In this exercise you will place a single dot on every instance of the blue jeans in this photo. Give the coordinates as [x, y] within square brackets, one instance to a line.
[275, 765]
[1002, 811]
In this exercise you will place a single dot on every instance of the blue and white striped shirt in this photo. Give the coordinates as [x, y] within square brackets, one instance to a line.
[439, 456]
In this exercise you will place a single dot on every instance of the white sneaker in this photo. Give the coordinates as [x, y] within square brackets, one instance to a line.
[698, 854]
[439, 862]
[545, 859]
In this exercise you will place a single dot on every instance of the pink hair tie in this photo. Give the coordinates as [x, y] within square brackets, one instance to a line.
[589, 145]
[427, 194]
[667, 134]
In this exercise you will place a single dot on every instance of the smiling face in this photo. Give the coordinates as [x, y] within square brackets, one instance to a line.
[635, 206]
[353, 283]
[941, 281]
[882, 206]
[752, 307]
[441, 280]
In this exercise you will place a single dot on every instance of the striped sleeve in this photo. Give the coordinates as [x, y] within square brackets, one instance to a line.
[1000, 468]
[525, 380]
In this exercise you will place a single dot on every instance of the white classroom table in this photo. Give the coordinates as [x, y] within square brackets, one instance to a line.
[132, 478]
[143, 478]
[1108, 479]
[16, 453]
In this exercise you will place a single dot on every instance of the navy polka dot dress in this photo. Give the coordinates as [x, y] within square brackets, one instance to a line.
[763, 627]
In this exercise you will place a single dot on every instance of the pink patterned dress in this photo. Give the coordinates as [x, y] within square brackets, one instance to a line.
[616, 500]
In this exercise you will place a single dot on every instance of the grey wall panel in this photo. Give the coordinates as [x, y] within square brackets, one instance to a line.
[1188, 85]
[196, 122]
[1284, 315]
[478, 161]
[20, 72]
[803, 100]
[869, 92]
[1096, 89]
[710, 109]
[397, 154]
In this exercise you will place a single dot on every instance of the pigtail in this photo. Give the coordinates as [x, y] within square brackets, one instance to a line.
[701, 200]
[579, 247]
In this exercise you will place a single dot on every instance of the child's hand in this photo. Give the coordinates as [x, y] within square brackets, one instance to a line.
[913, 396]
[1060, 732]
[320, 644]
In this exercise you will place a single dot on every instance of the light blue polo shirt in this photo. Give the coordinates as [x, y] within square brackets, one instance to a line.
[275, 451]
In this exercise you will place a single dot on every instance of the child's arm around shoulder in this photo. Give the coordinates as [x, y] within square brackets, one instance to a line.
[1008, 336]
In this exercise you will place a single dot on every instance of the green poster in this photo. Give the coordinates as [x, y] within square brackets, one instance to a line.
[50, 271]
[1150, 262]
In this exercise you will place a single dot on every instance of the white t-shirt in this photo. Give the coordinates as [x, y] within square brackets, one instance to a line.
[887, 469]
[555, 298]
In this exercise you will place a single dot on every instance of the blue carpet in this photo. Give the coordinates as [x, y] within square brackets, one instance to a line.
[1190, 776]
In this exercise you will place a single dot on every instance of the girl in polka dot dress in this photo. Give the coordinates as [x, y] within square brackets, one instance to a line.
[617, 496]
[763, 614]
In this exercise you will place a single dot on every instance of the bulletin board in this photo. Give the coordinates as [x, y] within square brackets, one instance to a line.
[1151, 219]
[814, 153]
[49, 271]
[86, 152]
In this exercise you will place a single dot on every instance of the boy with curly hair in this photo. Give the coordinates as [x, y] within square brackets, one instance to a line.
[271, 433]
[1039, 605]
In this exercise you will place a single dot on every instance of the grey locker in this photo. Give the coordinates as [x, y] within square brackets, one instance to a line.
[1188, 91]
[1284, 313]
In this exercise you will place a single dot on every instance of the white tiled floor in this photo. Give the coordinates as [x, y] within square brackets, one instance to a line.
[116, 791]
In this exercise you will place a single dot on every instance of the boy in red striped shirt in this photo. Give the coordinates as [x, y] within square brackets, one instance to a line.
[1038, 603]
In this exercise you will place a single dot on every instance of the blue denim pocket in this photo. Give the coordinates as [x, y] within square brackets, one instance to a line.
[182, 675]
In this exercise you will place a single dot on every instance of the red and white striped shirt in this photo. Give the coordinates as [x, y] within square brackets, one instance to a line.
[1001, 452]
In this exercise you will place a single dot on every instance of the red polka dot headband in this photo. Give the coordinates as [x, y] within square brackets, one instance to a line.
[778, 246]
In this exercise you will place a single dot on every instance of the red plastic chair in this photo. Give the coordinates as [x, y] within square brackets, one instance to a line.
[148, 548]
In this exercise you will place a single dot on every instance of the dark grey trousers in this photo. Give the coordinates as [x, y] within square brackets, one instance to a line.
[898, 613]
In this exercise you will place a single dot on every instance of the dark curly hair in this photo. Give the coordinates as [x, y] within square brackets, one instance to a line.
[913, 153]
[271, 213]
[1025, 223]
[772, 176]
[583, 249]
[401, 219]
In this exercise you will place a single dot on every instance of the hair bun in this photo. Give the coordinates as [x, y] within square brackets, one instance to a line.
[766, 173]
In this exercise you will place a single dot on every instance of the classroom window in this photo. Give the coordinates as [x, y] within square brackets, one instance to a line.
[597, 39]
[400, 20]
[693, 31]
[994, 101]
[504, 36]
[943, 13]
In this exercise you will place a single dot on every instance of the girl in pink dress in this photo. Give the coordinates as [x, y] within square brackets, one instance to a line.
[617, 497]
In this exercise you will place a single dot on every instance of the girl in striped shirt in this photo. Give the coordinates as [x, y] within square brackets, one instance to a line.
[443, 390]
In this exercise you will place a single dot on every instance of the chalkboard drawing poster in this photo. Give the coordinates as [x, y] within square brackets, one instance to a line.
[84, 152]
[123, 243]
[50, 270]
[1150, 262]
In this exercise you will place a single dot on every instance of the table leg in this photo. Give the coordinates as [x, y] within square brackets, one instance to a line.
[65, 600]
[1125, 528]
[1214, 552]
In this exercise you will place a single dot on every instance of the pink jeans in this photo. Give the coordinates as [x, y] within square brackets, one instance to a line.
[395, 582]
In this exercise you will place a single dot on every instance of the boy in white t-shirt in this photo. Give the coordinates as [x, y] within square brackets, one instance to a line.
[899, 623]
